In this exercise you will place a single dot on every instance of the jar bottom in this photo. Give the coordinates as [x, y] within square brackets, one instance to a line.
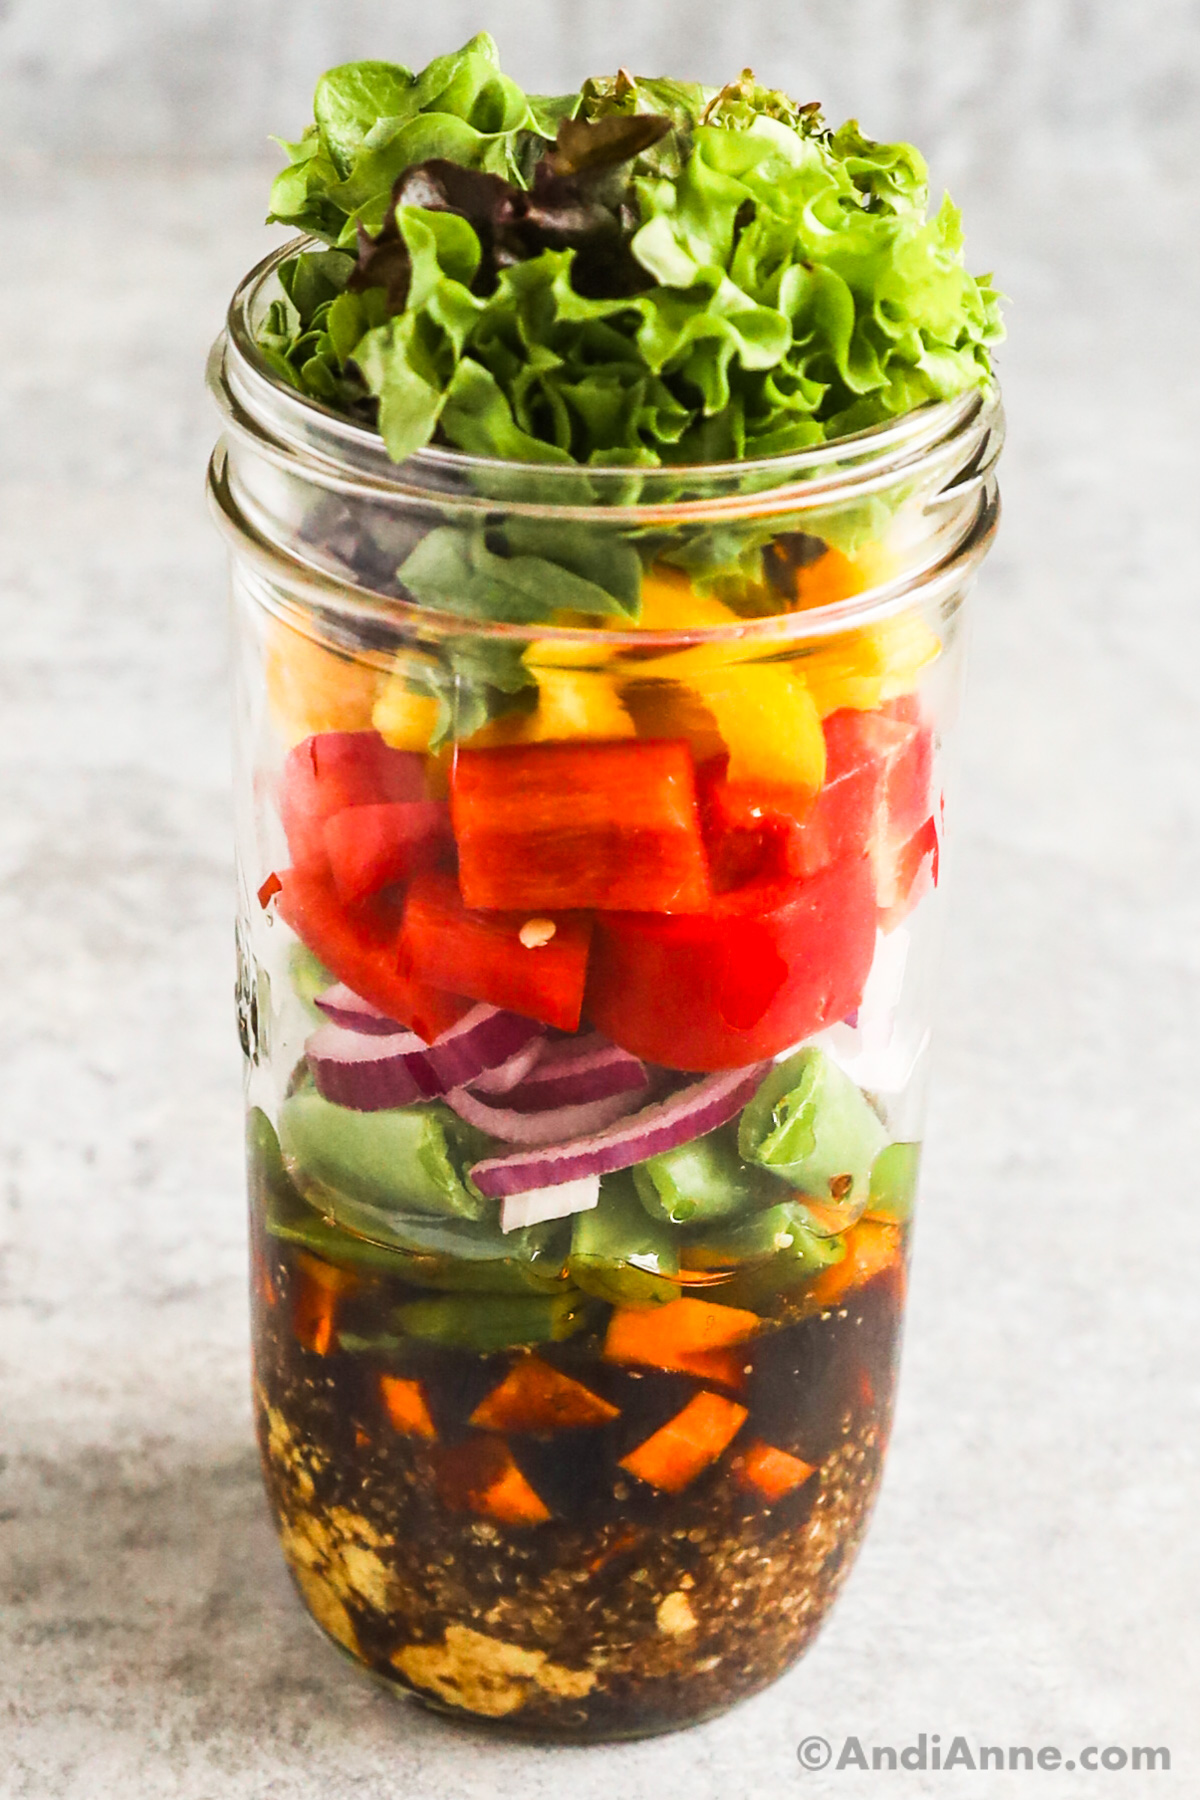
[688, 1619]
[601, 1720]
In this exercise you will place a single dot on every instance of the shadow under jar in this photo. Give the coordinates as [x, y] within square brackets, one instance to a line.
[584, 984]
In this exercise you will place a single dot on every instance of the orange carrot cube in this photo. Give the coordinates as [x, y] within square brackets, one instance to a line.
[318, 1287]
[536, 1397]
[771, 1472]
[726, 1367]
[404, 1402]
[671, 1336]
[480, 1476]
[675, 1454]
[872, 1249]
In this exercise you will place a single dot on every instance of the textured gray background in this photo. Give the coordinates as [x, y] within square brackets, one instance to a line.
[1033, 1572]
[977, 81]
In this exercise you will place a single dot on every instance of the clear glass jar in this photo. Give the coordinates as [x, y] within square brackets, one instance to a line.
[585, 975]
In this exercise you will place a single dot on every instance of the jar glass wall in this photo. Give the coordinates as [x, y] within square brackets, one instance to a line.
[585, 980]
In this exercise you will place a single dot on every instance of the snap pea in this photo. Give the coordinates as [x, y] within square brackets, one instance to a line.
[620, 1254]
[772, 1252]
[812, 1127]
[406, 1159]
[894, 1182]
[309, 977]
[705, 1179]
[463, 1254]
[492, 1322]
[289, 1216]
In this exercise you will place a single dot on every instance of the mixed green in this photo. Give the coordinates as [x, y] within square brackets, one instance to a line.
[643, 272]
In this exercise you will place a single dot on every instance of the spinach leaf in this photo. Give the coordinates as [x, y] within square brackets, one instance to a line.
[522, 572]
[473, 680]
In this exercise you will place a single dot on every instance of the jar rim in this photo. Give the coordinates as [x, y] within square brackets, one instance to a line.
[323, 592]
[245, 385]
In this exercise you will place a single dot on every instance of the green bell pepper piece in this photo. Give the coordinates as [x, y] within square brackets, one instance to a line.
[406, 1159]
[813, 1128]
[495, 1321]
[620, 1254]
[894, 1182]
[705, 1179]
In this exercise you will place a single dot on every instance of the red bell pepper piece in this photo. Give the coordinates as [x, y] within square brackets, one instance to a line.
[770, 962]
[334, 770]
[611, 825]
[360, 945]
[875, 794]
[370, 847]
[482, 954]
[909, 873]
[907, 801]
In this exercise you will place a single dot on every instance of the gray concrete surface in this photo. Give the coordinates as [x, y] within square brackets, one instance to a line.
[978, 82]
[1032, 1575]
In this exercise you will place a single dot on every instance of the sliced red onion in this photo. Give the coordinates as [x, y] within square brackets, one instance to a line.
[534, 1208]
[368, 1072]
[530, 1129]
[579, 1071]
[483, 1040]
[689, 1113]
[348, 1009]
[508, 1074]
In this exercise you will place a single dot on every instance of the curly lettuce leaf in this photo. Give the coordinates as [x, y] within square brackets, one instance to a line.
[373, 120]
[734, 281]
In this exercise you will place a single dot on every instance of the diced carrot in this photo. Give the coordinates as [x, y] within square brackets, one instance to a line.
[319, 1285]
[771, 1472]
[535, 1397]
[672, 1336]
[480, 1476]
[686, 1444]
[624, 1540]
[404, 1402]
[726, 1367]
[872, 1249]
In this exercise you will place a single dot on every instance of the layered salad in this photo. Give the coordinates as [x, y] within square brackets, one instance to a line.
[581, 989]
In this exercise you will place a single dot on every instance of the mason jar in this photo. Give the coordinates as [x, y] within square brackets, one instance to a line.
[590, 826]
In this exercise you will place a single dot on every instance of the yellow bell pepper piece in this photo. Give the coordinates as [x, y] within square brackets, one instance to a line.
[667, 709]
[671, 603]
[762, 712]
[765, 717]
[861, 669]
[572, 704]
[832, 577]
[403, 718]
[312, 688]
[906, 646]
